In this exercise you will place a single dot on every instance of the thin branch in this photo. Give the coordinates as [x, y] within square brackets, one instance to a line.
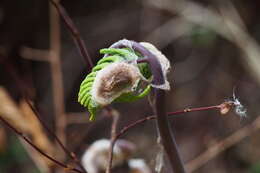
[54, 63]
[38, 160]
[214, 150]
[34, 54]
[38, 149]
[74, 32]
[72, 155]
[140, 121]
[22, 88]
[115, 117]
[57, 76]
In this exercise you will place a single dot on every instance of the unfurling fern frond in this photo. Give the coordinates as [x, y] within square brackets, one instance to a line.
[116, 77]
[123, 75]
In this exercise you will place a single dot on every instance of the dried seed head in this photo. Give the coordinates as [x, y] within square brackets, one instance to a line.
[114, 80]
[239, 108]
[165, 64]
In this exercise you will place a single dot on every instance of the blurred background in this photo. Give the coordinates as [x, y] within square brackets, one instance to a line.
[214, 52]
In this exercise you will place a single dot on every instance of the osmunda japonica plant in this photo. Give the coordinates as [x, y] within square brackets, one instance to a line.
[125, 73]
[128, 71]
[118, 77]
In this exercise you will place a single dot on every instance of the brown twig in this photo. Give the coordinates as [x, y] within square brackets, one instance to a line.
[72, 155]
[34, 54]
[53, 58]
[23, 119]
[57, 77]
[38, 149]
[83, 50]
[214, 150]
[22, 87]
[74, 32]
[115, 117]
[140, 121]
[38, 160]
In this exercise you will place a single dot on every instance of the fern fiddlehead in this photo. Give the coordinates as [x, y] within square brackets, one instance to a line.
[121, 74]
[112, 55]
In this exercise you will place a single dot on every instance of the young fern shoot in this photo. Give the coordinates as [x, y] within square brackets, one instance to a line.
[118, 77]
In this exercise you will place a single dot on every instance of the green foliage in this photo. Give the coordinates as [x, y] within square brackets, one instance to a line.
[112, 55]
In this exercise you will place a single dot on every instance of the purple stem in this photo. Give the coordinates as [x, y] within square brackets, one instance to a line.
[158, 78]
[167, 137]
[168, 140]
[74, 32]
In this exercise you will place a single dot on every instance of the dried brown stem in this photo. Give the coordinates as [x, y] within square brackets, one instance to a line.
[74, 32]
[61, 125]
[57, 77]
[34, 54]
[22, 87]
[38, 160]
